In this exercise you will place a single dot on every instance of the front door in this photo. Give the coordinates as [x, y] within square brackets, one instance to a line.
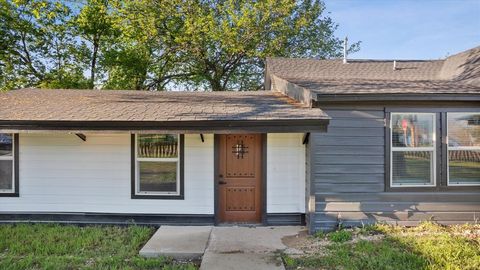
[239, 178]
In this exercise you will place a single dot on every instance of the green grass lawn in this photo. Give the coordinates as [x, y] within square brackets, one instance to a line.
[429, 246]
[42, 246]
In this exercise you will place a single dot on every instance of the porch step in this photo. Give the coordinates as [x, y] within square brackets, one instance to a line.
[178, 242]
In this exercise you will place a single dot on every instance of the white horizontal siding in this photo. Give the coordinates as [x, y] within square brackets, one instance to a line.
[285, 173]
[61, 173]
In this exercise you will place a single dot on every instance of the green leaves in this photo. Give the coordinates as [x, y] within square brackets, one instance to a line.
[148, 44]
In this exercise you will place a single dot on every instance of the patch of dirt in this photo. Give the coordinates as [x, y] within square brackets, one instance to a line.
[304, 244]
[370, 237]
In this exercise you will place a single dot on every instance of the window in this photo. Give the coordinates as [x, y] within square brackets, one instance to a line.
[158, 166]
[463, 149]
[412, 155]
[8, 183]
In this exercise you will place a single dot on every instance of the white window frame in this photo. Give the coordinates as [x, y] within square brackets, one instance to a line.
[466, 148]
[137, 170]
[432, 149]
[12, 158]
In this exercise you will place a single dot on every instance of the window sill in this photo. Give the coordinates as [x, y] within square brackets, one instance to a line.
[157, 197]
[432, 189]
[9, 194]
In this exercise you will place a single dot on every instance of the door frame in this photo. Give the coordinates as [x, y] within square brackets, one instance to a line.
[263, 181]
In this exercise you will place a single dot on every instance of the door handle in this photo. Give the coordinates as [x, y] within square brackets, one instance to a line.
[222, 182]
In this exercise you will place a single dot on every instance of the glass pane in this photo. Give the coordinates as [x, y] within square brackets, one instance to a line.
[463, 129]
[6, 144]
[6, 174]
[158, 176]
[158, 146]
[412, 168]
[464, 167]
[412, 130]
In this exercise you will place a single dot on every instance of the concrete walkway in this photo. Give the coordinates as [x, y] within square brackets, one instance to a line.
[222, 247]
[178, 242]
[246, 248]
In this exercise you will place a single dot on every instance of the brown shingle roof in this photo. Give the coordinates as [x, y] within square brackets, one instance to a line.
[457, 74]
[105, 105]
[296, 68]
[359, 86]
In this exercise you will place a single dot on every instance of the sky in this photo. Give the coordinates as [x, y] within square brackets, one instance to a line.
[407, 29]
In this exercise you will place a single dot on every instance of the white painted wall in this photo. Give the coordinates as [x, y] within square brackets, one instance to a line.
[61, 173]
[285, 173]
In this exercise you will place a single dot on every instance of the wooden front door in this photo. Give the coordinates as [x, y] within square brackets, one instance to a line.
[240, 178]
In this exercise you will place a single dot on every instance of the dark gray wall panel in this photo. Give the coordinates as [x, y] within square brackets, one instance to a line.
[348, 178]
[346, 170]
[349, 159]
[351, 141]
[359, 132]
[383, 207]
[351, 187]
[389, 197]
[353, 122]
[361, 114]
[349, 168]
[348, 150]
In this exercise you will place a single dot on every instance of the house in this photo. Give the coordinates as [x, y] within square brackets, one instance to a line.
[327, 143]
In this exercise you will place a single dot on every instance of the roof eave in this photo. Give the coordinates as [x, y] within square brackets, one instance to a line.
[203, 126]
[395, 97]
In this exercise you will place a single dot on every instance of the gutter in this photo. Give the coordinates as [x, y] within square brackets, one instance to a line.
[203, 126]
[395, 97]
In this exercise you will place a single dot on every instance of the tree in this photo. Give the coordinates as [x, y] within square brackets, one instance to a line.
[225, 42]
[146, 55]
[36, 47]
[96, 23]
[156, 45]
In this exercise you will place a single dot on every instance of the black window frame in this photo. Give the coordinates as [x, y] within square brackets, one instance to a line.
[16, 170]
[441, 125]
[181, 194]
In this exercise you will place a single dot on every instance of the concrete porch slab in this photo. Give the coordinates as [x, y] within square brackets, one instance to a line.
[253, 248]
[250, 239]
[178, 242]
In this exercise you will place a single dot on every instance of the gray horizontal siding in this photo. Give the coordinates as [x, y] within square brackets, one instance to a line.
[392, 197]
[339, 149]
[347, 173]
[396, 206]
[327, 159]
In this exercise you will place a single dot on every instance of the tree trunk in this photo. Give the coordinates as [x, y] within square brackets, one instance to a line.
[94, 64]
[216, 84]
